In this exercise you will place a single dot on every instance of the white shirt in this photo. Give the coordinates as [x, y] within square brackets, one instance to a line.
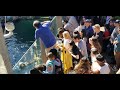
[103, 70]
[93, 59]
[79, 28]
[66, 43]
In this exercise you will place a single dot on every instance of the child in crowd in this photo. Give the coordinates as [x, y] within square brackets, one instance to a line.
[50, 64]
[58, 69]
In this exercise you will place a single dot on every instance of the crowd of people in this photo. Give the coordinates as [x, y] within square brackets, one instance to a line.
[84, 45]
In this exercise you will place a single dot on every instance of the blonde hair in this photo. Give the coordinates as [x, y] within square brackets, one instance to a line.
[96, 26]
[66, 35]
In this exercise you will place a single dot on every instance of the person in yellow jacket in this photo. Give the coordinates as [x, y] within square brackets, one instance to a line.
[65, 55]
[67, 60]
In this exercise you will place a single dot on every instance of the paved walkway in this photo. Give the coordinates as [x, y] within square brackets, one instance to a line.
[2, 66]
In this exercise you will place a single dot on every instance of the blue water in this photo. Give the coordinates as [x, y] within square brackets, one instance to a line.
[16, 48]
[20, 42]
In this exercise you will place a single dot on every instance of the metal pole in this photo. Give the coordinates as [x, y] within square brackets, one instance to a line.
[59, 21]
[5, 65]
[43, 53]
[4, 24]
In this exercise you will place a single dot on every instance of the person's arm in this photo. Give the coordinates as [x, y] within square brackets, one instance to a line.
[36, 35]
[75, 56]
[118, 72]
[113, 35]
[57, 63]
[96, 72]
[46, 23]
[115, 42]
[84, 48]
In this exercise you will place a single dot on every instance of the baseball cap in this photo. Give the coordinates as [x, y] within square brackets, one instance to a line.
[117, 21]
[100, 57]
[88, 20]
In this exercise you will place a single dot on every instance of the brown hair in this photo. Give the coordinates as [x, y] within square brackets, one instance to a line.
[60, 32]
[83, 67]
[50, 55]
[95, 43]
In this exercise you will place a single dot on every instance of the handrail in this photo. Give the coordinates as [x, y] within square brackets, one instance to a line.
[25, 53]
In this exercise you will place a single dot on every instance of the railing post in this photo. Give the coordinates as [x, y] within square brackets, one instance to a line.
[59, 21]
[43, 53]
[5, 65]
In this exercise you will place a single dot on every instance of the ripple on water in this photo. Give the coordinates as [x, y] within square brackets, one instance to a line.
[16, 49]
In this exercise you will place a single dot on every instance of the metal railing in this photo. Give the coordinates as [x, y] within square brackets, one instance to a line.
[32, 56]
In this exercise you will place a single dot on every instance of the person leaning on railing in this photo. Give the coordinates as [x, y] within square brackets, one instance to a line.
[44, 33]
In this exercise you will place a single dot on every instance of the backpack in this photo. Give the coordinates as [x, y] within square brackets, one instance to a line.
[59, 69]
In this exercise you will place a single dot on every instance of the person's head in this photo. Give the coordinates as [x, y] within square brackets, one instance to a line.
[66, 35]
[87, 22]
[71, 44]
[96, 28]
[41, 67]
[94, 51]
[38, 69]
[93, 40]
[76, 32]
[116, 23]
[54, 52]
[83, 67]
[60, 32]
[83, 33]
[100, 59]
[111, 23]
[36, 24]
[107, 27]
[76, 37]
[35, 71]
[64, 22]
[51, 56]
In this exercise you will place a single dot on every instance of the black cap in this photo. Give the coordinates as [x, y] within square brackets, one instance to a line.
[117, 21]
[88, 20]
[100, 58]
